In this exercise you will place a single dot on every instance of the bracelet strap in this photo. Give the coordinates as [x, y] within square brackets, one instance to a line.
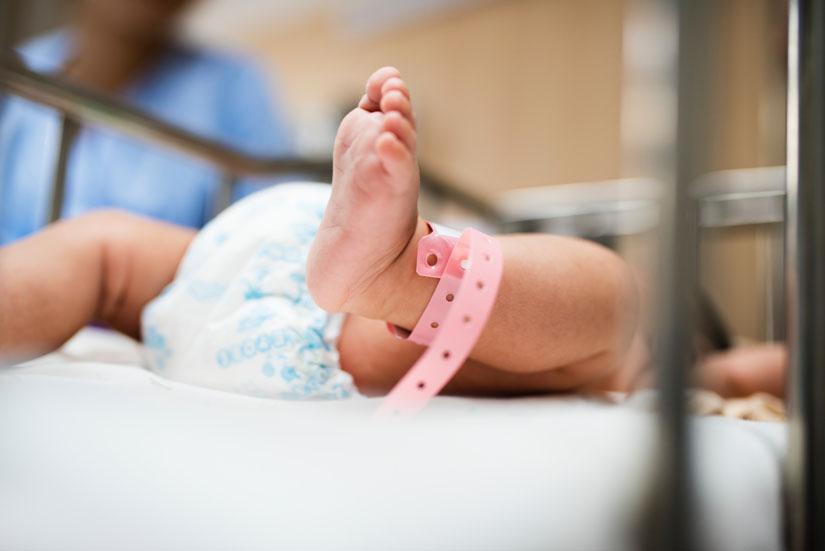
[434, 251]
[462, 301]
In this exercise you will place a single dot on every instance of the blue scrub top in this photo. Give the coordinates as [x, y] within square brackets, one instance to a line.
[213, 95]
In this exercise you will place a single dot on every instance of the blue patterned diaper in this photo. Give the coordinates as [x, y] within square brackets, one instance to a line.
[238, 316]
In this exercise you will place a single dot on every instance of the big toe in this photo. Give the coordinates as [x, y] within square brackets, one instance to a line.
[372, 96]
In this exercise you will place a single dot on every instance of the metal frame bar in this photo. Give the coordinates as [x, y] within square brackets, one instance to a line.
[89, 108]
[669, 516]
[805, 277]
[223, 198]
[69, 128]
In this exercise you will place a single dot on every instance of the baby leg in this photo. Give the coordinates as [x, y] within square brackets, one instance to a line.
[564, 305]
[565, 318]
[104, 266]
[377, 361]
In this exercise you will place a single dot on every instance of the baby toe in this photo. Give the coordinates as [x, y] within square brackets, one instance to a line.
[402, 128]
[375, 83]
[398, 102]
[395, 83]
[394, 155]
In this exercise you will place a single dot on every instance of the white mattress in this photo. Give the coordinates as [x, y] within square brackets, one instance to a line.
[103, 455]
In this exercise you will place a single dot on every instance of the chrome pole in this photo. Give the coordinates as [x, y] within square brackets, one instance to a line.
[68, 131]
[89, 108]
[667, 526]
[805, 277]
[670, 522]
[223, 196]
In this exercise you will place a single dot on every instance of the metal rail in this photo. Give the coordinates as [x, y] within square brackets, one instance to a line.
[68, 131]
[89, 108]
[728, 198]
[92, 108]
[805, 265]
[741, 197]
[670, 516]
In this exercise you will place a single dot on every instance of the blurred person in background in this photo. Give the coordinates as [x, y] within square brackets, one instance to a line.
[128, 48]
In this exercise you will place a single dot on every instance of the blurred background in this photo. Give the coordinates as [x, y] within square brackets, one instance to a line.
[514, 94]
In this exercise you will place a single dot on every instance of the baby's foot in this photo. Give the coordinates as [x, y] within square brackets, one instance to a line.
[372, 214]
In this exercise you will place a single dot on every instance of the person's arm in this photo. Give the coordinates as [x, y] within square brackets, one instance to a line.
[104, 266]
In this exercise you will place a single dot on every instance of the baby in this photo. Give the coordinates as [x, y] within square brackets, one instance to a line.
[286, 293]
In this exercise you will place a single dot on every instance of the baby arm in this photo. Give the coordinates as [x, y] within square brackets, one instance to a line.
[103, 266]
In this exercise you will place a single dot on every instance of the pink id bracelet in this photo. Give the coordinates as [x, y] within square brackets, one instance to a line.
[469, 269]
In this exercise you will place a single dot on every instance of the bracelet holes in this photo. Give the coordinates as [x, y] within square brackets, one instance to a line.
[446, 354]
[467, 319]
[421, 385]
[434, 325]
[432, 259]
[450, 297]
[480, 284]
[487, 257]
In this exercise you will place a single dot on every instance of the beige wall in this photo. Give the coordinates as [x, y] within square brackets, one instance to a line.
[750, 111]
[508, 93]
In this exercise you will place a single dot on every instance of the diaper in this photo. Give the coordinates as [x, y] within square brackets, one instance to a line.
[238, 316]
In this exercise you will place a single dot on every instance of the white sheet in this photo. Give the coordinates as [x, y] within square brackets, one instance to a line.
[107, 456]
